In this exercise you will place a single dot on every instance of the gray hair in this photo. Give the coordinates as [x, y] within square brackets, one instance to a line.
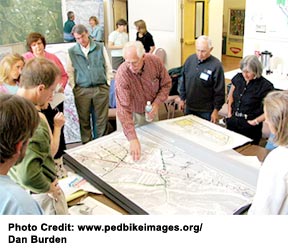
[79, 29]
[205, 38]
[39, 71]
[252, 64]
[137, 45]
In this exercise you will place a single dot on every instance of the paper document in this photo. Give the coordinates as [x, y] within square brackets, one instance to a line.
[57, 99]
[202, 132]
[75, 186]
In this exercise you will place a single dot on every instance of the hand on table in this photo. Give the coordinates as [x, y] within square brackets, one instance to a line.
[135, 149]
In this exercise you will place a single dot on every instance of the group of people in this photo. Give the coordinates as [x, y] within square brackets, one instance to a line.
[118, 38]
[96, 31]
[25, 129]
[140, 77]
[35, 77]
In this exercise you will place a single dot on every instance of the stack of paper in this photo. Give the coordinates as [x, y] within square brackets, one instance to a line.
[75, 186]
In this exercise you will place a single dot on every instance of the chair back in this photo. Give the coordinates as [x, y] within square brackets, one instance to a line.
[161, 53]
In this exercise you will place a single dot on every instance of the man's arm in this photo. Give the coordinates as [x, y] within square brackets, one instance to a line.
[125, 113]
[30, 171]
[70, 72]
[123, 101]
[108, 66]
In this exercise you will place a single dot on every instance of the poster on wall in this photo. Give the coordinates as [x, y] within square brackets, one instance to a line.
[235, 32]
[83, 10]
[19, 18]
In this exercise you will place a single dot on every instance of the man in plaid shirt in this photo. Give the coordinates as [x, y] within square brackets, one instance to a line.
[141, 78]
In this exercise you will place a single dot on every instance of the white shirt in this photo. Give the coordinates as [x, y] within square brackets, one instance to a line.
[85, 50]
[118, 39]
[272, 187]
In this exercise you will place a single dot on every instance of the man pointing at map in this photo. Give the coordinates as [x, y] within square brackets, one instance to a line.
[141, 78]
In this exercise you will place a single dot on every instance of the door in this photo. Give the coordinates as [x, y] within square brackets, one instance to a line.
[194, 24]
[120, 10]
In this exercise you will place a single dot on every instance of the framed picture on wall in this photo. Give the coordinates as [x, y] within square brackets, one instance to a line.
[234, 46]
[237, 18]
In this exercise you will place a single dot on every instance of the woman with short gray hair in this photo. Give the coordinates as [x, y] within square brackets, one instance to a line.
[245, 108]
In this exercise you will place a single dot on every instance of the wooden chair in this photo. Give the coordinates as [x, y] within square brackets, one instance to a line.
[171, 104]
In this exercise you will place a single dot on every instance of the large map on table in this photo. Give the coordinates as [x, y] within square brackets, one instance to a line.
[166, 180]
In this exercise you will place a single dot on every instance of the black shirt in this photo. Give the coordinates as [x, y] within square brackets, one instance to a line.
[147, 41]
[203, 85]
[248, 99]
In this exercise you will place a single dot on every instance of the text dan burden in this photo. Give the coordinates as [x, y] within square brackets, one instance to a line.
[36, 239]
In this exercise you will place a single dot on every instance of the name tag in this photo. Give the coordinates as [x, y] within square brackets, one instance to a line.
[204, 76]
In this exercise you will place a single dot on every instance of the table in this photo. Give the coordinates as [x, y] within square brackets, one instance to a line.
[102, 198]
[173, 166]
[246, 150]
[253, 150]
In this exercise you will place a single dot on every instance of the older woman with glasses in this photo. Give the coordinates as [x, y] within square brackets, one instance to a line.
[245, 108]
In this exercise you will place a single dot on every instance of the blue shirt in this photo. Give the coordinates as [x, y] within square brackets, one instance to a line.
[11, 89]
[97, 33]
[15, 200]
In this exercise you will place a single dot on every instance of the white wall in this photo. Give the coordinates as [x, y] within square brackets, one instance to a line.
[268, 17]
[163, 20]
[215, 26]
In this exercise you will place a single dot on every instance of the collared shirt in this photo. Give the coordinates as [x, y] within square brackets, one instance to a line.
[247, 99]
[134, 90]
[85, 50]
